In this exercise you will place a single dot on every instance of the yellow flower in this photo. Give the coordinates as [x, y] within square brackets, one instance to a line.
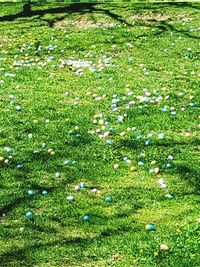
[155, 253]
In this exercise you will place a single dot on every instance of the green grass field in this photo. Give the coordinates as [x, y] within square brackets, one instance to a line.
[101, 104]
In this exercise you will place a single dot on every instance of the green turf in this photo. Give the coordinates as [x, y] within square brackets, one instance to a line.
[134, 49]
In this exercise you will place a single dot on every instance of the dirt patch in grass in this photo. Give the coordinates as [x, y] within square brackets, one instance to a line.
[149, 17]
[87, 21]
[189, 134]
[84, 22]
[4, 39]
[159, 17]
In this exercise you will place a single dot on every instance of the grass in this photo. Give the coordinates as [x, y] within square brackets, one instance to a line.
[145, 48]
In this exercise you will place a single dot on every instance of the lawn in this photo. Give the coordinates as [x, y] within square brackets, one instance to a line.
[99, 135]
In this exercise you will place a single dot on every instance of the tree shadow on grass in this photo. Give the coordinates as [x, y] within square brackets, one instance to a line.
[11, 205]
[165, 26]
[73, 8]
[84, 8]
[17, 201]
[22, 254]
[186, 172]
[189, 174]
[102, 226]
[138, 145]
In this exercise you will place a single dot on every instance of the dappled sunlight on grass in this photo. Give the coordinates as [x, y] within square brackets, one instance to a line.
[99, 135]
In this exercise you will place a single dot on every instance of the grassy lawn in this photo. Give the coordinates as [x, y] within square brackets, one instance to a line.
[99, 135]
